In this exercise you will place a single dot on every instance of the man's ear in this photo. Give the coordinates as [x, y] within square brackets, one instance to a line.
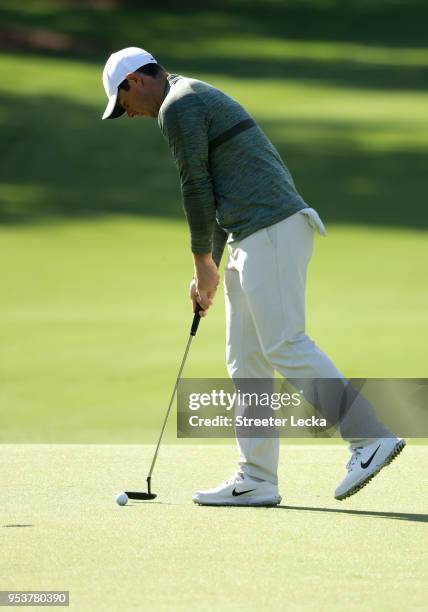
[135, 77]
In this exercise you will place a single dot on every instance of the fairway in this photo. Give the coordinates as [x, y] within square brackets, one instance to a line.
[94, 248]
[95, 265]
[61, 529]
[90, 354]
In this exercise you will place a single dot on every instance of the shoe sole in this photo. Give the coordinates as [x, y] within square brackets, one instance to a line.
[389, 459]
[244, 503]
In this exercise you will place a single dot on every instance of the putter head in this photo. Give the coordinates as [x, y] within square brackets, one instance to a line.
[140, 495]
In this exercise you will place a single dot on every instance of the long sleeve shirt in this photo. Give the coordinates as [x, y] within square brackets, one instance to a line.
[233, 180]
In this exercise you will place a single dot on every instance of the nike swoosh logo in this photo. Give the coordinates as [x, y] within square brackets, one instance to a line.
[368, 462]
[235, 493]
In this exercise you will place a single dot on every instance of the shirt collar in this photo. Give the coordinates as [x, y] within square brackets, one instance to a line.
[166, 88]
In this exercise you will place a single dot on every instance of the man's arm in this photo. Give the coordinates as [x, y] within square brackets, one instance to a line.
[207, 265]
[185, 126]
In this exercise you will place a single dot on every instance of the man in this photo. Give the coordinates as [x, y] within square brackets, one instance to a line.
[236, 188]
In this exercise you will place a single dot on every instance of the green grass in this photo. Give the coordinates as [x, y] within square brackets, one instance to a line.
[61, 529]
[357, 155]
[94, 316]
[94, 249]
[94, 320]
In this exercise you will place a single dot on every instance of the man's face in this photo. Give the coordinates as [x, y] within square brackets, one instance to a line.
[140, 99]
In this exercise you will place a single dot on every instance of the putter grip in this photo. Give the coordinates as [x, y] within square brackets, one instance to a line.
[196, 320]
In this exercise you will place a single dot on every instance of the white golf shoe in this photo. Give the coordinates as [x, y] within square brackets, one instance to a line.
[366, 462]
[240, 490]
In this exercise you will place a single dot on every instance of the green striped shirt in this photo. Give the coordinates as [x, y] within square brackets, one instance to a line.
[233, 180]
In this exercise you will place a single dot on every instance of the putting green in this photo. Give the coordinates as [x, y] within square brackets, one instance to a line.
[61, 529]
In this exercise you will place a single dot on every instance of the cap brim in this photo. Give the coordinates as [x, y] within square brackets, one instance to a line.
[113, 110]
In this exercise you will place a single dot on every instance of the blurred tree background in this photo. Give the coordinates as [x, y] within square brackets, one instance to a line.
[94, 246]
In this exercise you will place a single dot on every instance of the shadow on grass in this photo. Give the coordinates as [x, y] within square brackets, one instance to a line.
[400, 516]
[339, 73]
[60, 161]
[173, 32]
[396, 24]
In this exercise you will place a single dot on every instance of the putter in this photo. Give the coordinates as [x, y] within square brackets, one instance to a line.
[149, 495]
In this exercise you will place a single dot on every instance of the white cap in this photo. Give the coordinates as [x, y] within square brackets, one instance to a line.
[117, 67]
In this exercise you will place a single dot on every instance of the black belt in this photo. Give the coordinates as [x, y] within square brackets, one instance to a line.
[230, 133]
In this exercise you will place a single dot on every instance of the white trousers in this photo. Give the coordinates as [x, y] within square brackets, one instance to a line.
[265, 280]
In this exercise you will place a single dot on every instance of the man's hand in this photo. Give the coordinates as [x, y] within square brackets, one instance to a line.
[205, 282]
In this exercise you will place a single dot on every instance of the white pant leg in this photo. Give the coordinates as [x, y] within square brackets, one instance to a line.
[272, 265]
[258, 457]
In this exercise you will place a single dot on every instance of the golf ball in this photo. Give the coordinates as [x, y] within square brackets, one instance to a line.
[122, 499]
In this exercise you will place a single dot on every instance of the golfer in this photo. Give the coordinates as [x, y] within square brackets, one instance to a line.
[237, 190]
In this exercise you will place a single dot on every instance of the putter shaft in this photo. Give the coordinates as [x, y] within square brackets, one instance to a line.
[183, 361]
[149, 494]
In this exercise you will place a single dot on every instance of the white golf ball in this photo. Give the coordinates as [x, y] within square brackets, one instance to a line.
[122, 499]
